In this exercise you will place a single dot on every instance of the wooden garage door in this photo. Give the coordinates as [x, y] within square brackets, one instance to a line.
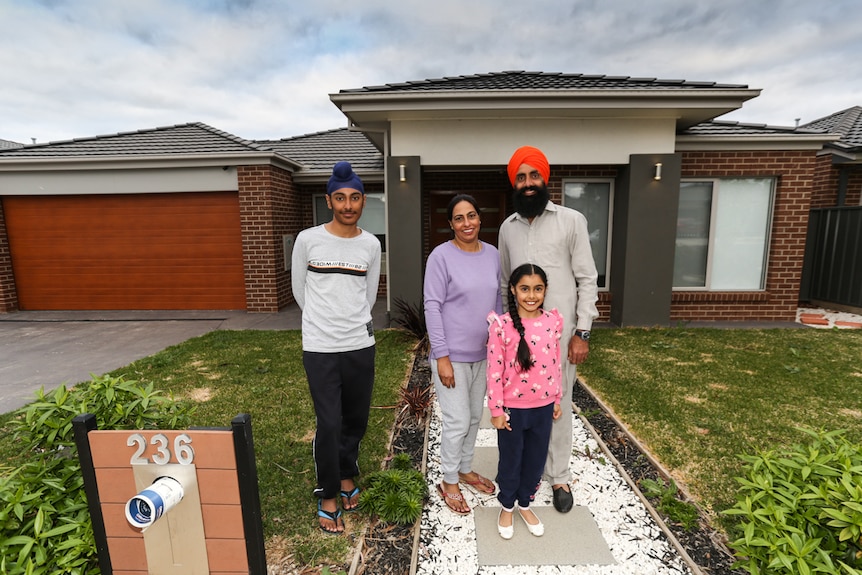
[112, 252]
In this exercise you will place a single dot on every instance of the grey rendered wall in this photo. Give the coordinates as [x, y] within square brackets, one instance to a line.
[404, 237]
[644, 239]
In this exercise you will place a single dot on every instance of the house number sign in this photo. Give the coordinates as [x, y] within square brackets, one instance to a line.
[160, 450]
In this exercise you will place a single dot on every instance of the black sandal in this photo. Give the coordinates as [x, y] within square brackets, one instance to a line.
[348, 496]
[334, 516]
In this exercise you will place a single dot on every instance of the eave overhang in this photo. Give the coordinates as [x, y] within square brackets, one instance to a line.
[842, 153]
[375, 110]
[753, 142]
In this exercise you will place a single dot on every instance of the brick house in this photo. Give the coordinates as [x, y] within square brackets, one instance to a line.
[690, 218]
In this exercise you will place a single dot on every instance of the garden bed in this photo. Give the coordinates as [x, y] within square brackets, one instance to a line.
[389, 549]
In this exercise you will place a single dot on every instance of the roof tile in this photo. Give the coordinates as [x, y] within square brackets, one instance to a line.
[319, 151]
[728, 128]
[8, 144]
[192, 138]
[524, 80]
[847, 122]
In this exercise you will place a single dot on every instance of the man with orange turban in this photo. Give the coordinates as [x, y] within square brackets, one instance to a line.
[555, 238]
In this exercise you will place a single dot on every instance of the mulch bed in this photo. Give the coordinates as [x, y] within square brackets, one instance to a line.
[388, 548]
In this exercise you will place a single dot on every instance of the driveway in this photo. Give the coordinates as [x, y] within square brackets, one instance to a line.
[48, 348]
[38, 349]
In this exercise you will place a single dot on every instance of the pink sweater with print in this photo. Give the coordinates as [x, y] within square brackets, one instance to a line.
[508, 385]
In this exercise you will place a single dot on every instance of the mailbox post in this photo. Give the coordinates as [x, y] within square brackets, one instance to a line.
[173, 502]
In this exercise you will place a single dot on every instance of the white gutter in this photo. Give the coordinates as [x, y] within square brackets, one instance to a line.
[13, 163]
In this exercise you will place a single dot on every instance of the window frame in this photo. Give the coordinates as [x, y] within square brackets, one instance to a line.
[316, 215]
[611, 182]
[316, 221]
[713, 211]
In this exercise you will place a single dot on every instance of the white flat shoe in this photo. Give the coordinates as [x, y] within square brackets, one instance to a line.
[506, 532]
[538, 529]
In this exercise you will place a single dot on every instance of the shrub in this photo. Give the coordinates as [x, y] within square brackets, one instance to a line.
[800, 509]
[411, 318]
[45, 525]
[665, 495]
[396, 494]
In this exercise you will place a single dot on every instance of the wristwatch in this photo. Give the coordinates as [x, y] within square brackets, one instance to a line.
[583, 334]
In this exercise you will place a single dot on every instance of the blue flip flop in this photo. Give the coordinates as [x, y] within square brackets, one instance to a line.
[334, 516]
[349, 495]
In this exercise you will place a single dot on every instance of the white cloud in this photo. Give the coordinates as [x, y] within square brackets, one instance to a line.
[265, 68]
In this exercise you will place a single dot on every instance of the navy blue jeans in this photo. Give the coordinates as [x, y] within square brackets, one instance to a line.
[522, 454]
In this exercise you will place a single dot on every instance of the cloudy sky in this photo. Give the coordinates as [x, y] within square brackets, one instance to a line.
[265, 68]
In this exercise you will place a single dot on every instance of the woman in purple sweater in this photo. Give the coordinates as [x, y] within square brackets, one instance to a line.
[462, 284]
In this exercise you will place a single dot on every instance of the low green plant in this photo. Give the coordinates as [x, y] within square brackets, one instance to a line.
[45, 525]
[800, 508]
[667, 502]
[395, 495]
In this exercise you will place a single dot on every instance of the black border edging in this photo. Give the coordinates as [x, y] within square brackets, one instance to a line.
[660, 469]
[246, 470]
[82, 425]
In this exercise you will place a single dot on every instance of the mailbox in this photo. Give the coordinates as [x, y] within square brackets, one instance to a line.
[173, 502]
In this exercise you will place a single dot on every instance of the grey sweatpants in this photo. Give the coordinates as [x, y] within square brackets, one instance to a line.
[460, 411]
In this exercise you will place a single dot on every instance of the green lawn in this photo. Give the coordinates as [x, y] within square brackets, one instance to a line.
[697, 398]
[261, 373]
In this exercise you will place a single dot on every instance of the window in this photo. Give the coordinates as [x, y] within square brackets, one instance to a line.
[373, 215]
[593, 198]
[722, 234]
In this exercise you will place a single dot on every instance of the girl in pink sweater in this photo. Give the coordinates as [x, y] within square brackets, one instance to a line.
[524, 392]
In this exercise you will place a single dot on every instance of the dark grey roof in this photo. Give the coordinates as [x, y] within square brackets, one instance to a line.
[192, 138]
[319, 151]
[523, 80]
[847, 122]
[727, 128]
[7, 144]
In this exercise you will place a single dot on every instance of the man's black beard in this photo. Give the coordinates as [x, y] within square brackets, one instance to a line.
[531, 206]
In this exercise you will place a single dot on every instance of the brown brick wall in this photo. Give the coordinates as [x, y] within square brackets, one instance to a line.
[824, 189]
[794, 172]
[8, 293]
[854, 187]
[827, 181]
[269, 209]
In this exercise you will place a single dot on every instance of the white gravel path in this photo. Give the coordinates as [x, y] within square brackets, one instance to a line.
[448, 541]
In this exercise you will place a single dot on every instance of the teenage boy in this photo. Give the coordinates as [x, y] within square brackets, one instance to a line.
[335, 272]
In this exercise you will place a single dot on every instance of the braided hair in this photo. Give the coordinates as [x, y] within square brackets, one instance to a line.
[523, 357]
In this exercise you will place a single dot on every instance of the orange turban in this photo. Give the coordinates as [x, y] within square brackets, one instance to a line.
[531, 156]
